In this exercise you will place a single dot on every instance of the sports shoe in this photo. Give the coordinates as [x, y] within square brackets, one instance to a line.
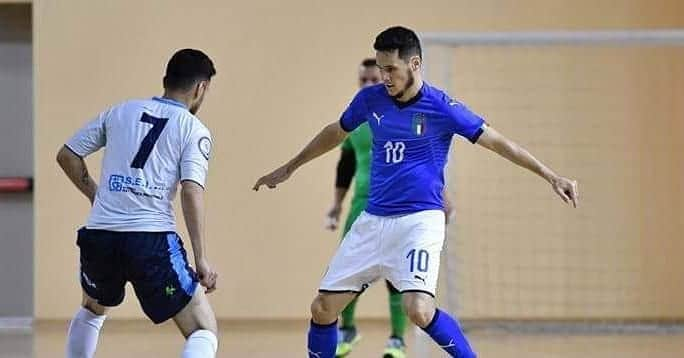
[346, 340]
[395, 348]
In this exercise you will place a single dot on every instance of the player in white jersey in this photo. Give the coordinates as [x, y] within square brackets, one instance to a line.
[151, 145]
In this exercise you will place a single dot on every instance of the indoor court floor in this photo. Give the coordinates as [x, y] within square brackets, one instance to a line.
[286, 339]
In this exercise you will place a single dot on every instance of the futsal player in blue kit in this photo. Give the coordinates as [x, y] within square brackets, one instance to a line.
[400, 235]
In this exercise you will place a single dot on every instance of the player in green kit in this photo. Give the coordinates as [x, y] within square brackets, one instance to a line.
[354, 163]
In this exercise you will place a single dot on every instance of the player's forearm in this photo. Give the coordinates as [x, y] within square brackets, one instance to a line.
[496, 142]
[523, 158]
[340, 194]
[192, 200]
[76, 170]
[327, 139]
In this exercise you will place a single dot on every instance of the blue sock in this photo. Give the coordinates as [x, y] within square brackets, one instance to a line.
[322, 340]
[446, 332]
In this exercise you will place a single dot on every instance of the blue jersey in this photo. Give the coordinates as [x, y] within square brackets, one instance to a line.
[411, 142]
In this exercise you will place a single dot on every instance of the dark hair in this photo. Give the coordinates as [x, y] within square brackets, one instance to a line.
[369, 62]
[186, 67]
[399, 38]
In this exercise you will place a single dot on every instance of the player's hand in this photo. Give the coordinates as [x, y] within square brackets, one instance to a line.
[566, 189]
[271, 180]
[333, 217]
[206, 275]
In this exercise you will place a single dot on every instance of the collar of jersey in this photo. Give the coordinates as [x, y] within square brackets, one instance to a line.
[411, 101]
[169, 101]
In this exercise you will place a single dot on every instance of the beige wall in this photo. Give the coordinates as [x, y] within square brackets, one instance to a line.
[269, 246]
[611, 117]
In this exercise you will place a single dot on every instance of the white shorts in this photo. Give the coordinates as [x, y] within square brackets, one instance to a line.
[404, 250]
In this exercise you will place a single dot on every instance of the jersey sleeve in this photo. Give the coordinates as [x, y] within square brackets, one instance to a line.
[463, 121]
[194, 164]
[355, 114]
[90, 138]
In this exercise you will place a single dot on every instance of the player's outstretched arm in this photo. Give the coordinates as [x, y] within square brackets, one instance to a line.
[192, 199]
[75, 168]
[327, 139]
[495, 141]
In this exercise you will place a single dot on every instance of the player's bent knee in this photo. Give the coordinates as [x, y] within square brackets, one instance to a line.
[420, 317]
[420, 308]
[322, 311]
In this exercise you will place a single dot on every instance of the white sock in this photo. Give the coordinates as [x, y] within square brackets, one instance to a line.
[83, 334]
[200, 344]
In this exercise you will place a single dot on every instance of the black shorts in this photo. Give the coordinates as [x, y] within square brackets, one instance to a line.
[155, 263]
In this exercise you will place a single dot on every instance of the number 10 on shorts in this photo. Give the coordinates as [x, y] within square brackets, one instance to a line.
[418, 260]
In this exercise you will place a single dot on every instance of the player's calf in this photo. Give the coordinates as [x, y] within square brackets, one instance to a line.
[197, 323]
[196, 315]
[441, 327]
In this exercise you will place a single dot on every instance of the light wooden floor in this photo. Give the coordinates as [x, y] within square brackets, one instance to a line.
[282, 339]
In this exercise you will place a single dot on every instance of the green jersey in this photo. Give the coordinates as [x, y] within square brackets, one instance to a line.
[360, 141]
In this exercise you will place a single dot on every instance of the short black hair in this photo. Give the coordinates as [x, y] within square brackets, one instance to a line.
[369, 62]
[399, 38]
[186, 67]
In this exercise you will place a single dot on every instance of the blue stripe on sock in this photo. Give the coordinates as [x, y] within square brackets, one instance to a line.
[179, 264]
